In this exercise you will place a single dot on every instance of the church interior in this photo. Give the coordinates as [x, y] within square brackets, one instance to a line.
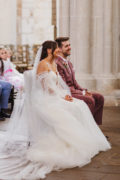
[93, 27]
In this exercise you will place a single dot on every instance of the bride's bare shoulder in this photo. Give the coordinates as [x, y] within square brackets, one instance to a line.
[42, 67]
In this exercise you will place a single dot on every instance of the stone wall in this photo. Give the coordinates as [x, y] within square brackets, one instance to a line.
[7, 21]
[93, 27]
[27, 21]
[36, 21]
[19, 23]
[94, 30]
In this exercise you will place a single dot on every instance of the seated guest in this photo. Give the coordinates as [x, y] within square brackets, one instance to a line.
[9, 72]
[5, 89]
[95, 101]
[9, 54]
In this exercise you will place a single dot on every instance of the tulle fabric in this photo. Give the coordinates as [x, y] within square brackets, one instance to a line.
[46, 132]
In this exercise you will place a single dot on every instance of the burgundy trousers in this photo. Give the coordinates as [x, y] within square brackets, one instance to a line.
[95, 104]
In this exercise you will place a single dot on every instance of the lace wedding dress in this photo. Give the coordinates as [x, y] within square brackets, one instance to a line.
[48, 133]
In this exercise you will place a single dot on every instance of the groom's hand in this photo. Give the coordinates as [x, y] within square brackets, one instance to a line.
[87, 93]
[68, 98]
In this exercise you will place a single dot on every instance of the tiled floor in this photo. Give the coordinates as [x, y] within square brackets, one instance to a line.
[104, 166]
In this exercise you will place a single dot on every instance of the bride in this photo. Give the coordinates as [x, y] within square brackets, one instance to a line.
[49, 130]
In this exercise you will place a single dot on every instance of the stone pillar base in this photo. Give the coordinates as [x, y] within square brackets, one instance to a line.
[106, 85]
[86, 81]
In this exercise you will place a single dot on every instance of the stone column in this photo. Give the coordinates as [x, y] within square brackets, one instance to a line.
[43, 28]
[7, 21]
[97, 46]
[94, 29]
[80, 35]
[116, 43]
[37, 21]
[104, 45]
[63, 17]
[27, 22]
[116, 49]
[54, 14]
[18, 25]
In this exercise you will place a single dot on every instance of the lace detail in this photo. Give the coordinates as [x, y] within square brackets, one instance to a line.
[49, 80]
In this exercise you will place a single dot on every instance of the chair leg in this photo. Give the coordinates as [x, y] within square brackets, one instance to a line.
[11, 99]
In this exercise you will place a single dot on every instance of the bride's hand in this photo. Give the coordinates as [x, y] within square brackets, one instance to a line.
[68, 98]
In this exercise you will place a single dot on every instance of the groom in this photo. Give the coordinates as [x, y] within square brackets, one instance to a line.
[94, 101]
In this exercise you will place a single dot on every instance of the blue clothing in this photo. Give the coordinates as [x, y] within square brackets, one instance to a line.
[5, 89]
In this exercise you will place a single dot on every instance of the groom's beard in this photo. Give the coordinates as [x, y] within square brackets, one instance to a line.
[66, 55]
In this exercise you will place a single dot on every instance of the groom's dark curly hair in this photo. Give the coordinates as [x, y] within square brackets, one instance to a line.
[47, 45]
[59, 40]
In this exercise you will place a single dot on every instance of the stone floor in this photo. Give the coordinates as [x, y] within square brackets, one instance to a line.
[104, 166]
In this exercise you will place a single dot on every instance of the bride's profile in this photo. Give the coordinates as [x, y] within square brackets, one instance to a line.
[49, 130]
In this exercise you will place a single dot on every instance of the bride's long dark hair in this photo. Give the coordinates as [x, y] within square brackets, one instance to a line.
[1, 66]
[47, 45]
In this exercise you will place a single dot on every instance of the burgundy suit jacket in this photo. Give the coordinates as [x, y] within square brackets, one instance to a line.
[68, 75]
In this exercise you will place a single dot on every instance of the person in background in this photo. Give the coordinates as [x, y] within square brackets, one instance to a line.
[8, 70]
[5, 89]
[9, 54]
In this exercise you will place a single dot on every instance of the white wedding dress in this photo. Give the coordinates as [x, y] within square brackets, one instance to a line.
[48, 133]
